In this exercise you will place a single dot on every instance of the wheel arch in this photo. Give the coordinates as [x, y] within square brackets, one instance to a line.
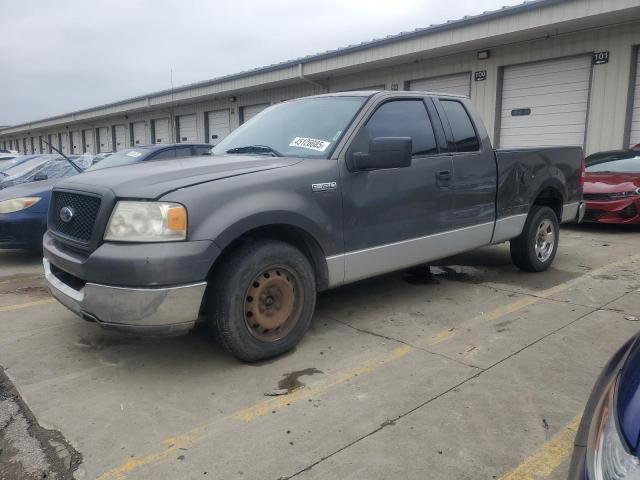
[550, 195]
[284, 227]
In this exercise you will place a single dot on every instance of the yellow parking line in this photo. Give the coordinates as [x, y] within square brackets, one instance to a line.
[261, 408]
[20, 306]
[548, 457]
[255, 411]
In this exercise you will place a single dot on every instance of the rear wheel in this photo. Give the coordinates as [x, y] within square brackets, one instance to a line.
[535, 249]
[262, 299]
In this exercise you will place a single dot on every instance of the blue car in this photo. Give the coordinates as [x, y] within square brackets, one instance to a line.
[25, 189]
[608, 439]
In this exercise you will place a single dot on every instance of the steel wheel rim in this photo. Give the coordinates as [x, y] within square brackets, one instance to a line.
[273, 303]
[545, 240]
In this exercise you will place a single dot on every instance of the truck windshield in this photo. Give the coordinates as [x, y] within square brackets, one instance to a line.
[308, 128]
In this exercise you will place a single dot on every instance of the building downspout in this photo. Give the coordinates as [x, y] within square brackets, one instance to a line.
[305, 79]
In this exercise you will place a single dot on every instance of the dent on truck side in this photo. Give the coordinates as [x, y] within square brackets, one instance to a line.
[524, 174]
[224, 210]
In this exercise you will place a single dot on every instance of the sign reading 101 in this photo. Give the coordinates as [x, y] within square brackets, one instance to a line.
[600, 58]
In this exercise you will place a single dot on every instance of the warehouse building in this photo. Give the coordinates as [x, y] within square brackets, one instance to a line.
[546, 72]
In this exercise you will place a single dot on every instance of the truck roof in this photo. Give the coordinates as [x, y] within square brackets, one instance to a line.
[394, 93]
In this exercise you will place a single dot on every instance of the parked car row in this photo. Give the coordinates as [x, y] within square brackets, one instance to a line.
[26, 183]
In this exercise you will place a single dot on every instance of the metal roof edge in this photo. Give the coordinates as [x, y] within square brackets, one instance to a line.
[449, 24]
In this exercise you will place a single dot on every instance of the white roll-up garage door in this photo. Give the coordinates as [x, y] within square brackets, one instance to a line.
[635, 113]
[219, 126]
[161, 130]
[545, 103]
[104, 139]
[251, 111]
[187, 128]
[64, 147]
[139, 134]
[76, 142]
[457, 84]
[89, 144]
[121, 137]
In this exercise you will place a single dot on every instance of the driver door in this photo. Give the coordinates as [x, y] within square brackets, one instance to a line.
[393, 217]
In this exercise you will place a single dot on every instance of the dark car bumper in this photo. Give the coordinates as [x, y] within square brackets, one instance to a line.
[577, 467]
[151, 289]
[623, 211]
[22, 229]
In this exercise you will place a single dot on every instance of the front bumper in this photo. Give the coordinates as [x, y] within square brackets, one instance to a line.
[22, 229]
[149, 311]
[623, 211]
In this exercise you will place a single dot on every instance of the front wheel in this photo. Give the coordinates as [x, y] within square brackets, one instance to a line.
[261, 300]
[536, 247]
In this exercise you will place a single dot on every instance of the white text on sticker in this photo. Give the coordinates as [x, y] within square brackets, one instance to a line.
[310, 143]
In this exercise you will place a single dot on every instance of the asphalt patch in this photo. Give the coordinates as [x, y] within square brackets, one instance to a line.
[27, 450]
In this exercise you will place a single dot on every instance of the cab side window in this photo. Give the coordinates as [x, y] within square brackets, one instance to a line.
[399, 118]
[183, 152]
[464, 135]
[168, 153]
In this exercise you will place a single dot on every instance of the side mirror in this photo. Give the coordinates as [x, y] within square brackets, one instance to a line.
[38, 177]
[384, 152]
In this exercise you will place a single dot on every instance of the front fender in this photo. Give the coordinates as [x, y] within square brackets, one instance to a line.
[222, 211]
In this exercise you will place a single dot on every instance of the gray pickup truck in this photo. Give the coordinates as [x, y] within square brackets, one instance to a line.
[309, 195]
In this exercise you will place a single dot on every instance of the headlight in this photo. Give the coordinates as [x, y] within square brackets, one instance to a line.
[17, 204]
[609, 458]
[147, 222]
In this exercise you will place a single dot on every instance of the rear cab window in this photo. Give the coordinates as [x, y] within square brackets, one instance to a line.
[465, 138]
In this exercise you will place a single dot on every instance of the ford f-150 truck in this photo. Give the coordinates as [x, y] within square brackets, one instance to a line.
[309, 195]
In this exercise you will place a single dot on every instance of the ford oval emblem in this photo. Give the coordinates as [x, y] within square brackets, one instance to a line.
[66, 214]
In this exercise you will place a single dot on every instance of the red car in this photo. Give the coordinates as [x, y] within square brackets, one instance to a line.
[612, 187]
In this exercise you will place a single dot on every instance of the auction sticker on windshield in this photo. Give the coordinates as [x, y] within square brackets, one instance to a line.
[134, 154]
[310, 143]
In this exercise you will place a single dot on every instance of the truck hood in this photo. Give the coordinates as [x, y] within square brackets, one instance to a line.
[154, 179]
[611, 182]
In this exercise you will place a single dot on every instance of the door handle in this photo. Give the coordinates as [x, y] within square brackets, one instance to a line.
[444, 175]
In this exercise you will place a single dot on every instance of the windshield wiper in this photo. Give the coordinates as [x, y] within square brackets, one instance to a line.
[73, 164]
[259, 149]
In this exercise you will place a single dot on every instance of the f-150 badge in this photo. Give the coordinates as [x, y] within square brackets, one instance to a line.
[323, 187]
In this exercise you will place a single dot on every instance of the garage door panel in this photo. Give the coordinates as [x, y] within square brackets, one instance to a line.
[250, 111]
[635, 112]
[161, 130]
[187, 128]
[457, 84]
[76, 141]
[540, 130]
[568, 121]
[121, 137]
[219, 125]
[139, 133]
[555, 92]
[559, 80]
[552, 68]
[574, 97]
[548, 140]
[104, 137]
[88, 141]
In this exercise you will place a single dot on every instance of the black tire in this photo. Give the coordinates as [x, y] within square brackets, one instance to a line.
[523, 248]
[284, 277]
